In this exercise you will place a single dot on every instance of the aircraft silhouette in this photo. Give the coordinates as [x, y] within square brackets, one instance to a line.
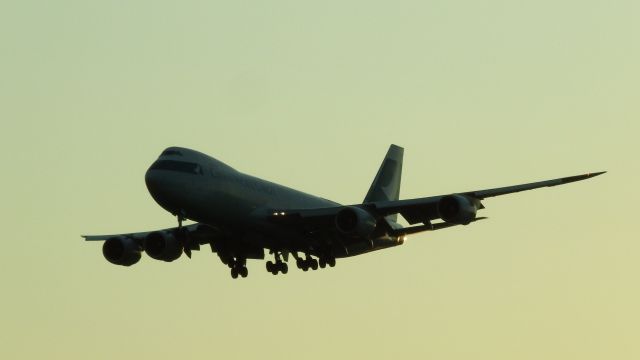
[241, 216]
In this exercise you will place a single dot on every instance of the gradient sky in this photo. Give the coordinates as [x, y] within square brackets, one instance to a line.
[310, 94]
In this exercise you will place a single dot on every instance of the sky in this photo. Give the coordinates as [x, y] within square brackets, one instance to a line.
[310, 95]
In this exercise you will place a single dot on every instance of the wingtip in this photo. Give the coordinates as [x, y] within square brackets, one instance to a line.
[580, 177]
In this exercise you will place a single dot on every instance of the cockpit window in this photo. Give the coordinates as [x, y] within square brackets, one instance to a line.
[171, 152]
[179, 166]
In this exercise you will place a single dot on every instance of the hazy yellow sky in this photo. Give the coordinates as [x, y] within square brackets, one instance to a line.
[310, 94]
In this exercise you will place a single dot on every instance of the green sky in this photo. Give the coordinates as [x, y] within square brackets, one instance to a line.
[310, 94]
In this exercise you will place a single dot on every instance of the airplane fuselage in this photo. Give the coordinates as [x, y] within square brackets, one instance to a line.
[198, 187]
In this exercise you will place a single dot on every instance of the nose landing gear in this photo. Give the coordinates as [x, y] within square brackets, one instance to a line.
[184, 234]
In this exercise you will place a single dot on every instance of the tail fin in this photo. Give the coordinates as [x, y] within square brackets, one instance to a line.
[386, 185]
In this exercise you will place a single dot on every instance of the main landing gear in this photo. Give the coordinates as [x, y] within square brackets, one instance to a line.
[310, 263]
[239, 265]
[239, 268]
[328, 260]
[278, 266]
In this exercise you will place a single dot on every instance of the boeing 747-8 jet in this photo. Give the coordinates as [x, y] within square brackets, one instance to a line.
[240, 216]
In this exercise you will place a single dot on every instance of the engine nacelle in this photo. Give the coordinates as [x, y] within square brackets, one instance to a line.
[457, 209]
[355, 221]
[121, 251]
[162, 245]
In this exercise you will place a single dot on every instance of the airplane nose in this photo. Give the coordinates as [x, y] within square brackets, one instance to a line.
[151, 179]
[162, 189]
[155, 184]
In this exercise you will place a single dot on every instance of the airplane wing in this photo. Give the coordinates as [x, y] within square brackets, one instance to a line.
[140, 235]
[425, 209]
[419, 210]
[191, 236]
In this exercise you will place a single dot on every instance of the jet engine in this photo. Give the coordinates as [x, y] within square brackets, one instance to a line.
[457, 209]
[162, 245]
[121, 251]
[355, 221]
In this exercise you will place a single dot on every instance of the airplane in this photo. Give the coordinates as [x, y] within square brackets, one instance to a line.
[241, 217]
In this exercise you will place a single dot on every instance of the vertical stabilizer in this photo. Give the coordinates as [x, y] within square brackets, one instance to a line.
[386, 185]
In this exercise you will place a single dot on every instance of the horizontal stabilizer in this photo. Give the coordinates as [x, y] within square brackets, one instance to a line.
[428, 227]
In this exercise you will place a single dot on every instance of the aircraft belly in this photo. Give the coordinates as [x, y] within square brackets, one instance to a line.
[245, 208]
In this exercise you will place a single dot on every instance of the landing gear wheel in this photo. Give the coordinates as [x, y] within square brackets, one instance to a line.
[243, 271]
[300, 263]
[323, 262]
[331, 261]
[234, 272]
[277, 267]
[314, 264]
